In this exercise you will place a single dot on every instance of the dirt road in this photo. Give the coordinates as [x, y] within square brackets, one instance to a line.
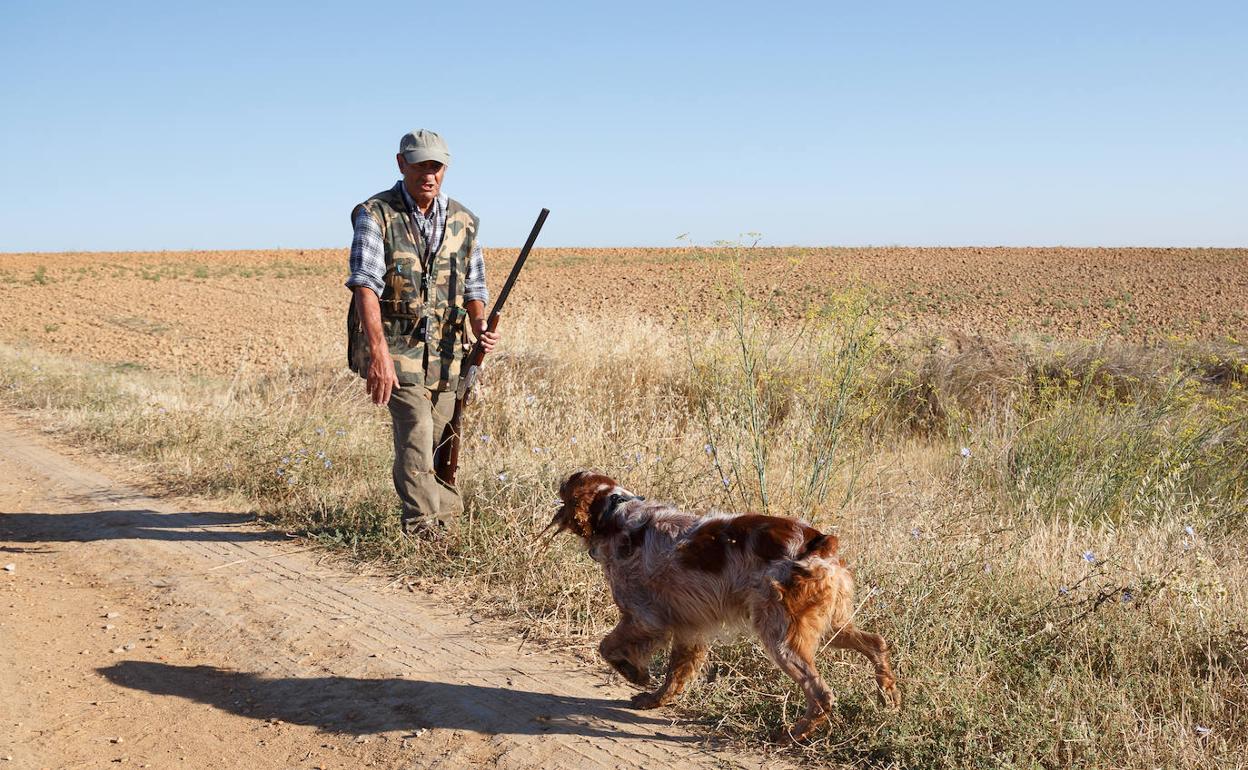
[136, 632]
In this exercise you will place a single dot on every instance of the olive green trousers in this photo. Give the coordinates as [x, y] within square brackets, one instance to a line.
[419, 417]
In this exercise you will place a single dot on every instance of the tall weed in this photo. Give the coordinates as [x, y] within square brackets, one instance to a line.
[779, 406]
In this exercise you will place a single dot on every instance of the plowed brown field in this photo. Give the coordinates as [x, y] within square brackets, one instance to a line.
[243, 311]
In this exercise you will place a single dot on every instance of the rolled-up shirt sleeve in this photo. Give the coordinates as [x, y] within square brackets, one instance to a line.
[474, 279]
[368, 260]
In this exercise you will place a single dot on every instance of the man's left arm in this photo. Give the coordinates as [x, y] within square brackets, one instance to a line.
[475, 296]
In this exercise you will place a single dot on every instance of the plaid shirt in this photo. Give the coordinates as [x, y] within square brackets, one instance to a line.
[368, 261]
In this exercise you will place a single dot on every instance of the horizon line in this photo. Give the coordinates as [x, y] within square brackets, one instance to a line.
[674, 247]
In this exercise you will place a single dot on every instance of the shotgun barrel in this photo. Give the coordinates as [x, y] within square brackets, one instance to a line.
[446, 454]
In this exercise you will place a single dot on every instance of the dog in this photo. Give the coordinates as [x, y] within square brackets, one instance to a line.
[680, 578]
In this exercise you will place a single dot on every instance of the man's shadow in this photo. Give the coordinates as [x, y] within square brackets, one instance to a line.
[363, 706]
[125, 524]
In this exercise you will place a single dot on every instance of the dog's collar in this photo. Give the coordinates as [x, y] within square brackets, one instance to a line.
[614, 500]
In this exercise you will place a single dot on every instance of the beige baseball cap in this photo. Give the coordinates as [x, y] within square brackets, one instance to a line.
[422, 145]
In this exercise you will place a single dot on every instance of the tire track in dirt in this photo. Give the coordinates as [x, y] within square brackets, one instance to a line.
[251, 650]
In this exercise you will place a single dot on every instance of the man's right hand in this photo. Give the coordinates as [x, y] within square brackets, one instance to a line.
[382, 381]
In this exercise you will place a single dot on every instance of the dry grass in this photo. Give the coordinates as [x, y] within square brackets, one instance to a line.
[1051, 537]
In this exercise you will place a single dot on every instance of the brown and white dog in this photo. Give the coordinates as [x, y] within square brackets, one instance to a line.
[680, 577]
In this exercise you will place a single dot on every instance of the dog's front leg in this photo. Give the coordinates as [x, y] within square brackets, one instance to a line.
[628, 648]
[686, 660]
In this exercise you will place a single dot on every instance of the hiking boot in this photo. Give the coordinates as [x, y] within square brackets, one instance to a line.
[423, 528]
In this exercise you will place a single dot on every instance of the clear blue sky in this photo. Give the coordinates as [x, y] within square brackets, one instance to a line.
[132, 125]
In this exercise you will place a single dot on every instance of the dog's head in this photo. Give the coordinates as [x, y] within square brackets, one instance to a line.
[584, 496]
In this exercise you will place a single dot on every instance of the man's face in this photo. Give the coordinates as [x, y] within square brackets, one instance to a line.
[424, 179]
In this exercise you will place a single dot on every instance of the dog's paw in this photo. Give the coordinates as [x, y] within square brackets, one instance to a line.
[785, 735]
[645, 700]
[890, 696]
[800, 732]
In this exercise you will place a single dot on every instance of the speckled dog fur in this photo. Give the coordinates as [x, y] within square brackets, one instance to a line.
[680, 578]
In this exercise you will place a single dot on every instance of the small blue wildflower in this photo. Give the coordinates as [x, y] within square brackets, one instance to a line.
[281, 472]
[709, 449]
[1202, 731]
[328, 464]
[502, 477]
[320, 455]
[340, 432]
[725, 483]
[285, 460]
[290, 481]
[485, 438]
[1127, 595]
[1063, 591]
[572, 440]
[1089, 557]
[320, 431]
[966, 451]
[1189, 531]
[529, 399]
[987, 567]
[916, 533]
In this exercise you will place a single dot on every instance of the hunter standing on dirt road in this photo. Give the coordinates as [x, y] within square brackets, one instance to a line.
[417, 278]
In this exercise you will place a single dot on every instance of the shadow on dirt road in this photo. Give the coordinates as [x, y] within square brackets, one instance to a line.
[121, 524]
[348, 705]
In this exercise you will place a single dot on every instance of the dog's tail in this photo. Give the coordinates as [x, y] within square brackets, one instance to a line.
[819, 590]
[820, 546]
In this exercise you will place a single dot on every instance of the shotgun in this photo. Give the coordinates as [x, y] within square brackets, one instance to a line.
[446, 456]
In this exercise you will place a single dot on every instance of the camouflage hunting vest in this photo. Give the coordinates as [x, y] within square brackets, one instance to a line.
[422, 306]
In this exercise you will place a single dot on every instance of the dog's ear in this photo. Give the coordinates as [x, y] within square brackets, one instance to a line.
[570, 484]
[578, 493]
[564, 520]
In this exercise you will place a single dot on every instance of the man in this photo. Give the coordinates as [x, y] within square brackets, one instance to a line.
[417, 275]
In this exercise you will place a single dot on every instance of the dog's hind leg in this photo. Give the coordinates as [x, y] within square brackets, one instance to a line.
[629, 647]
[791, 640]
[686, 660]
[875, 649]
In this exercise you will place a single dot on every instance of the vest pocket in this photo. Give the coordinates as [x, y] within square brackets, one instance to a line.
[451, 332]
[403, 281]
[405, 330]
